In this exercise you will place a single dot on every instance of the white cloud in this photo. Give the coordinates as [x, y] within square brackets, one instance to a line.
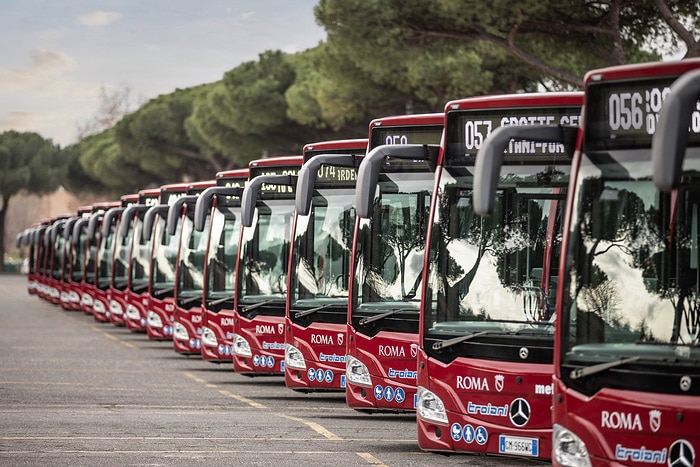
[99, 18]
[43, 67]
[247, 14]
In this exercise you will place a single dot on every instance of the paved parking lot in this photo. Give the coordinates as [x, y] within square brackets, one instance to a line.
[76, 392]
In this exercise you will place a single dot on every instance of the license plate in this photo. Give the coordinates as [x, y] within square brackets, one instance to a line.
[518, 446]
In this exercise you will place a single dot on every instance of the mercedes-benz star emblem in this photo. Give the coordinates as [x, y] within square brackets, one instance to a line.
[519, 412]
[681, 454]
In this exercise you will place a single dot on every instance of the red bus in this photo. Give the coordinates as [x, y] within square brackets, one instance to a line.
[103, 264]
[161, 290]
[487, 316]
[56, 258]
[139, 265]
[189, 272]
[41, 241]
[92, 238]
[267, 209]
[627, 326]
[121, 257]
[218, 217]
[74, 257]
[394, 186]
[317, 298]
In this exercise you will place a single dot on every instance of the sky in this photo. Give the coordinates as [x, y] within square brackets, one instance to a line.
[58, 56]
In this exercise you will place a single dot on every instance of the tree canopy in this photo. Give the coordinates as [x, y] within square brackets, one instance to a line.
[29, 162]
[381, 58]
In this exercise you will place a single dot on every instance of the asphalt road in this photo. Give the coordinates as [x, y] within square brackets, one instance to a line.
[77, 392]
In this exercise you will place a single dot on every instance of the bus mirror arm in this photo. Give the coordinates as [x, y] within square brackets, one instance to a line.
[671, 136]
[110, 217]
[252, 190]
[175, 211]
[128, 217]
[150, 218]
[371, 166]
[204, 202]
[489, 158]
[308, 175]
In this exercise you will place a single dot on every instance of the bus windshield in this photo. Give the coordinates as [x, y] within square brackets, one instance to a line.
[391, 246]
[78, 257]
[164, 258]
[122, 251]
[191, 267]
[490, 274]
[264, 253]
[140, 258]
[633, 269]
[323, 245]
[104, 259]
[222, 254]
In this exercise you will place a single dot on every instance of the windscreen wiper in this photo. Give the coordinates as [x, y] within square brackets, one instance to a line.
[221, 300]
[456, 340]
[582, 372]
[139, 288]
[164, 290]
[185, 301]
[259, 304]
[371, 319]
[310, 311]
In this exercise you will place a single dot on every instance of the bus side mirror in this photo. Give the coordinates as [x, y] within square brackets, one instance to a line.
[77, 229]
[175, 211]
[110, 216]
[93, 225]
[671, 136]
[204, 203]
[489, 158]
[252, 190]
[371, 166]
[308, 175]
[68, 228]
[150, 219]
[128, 217]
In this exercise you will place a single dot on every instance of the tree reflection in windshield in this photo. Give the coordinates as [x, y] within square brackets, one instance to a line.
[637, 258]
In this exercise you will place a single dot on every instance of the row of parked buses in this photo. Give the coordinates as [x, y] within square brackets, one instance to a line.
[523, 270]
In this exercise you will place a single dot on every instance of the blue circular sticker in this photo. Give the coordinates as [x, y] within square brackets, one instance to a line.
[468, 434]
[481, 435]
[456, 431]
[400, 395]
[378, 390]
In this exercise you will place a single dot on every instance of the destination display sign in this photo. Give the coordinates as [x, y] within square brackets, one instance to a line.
[415, 134]
[624, 115]
[468, 129]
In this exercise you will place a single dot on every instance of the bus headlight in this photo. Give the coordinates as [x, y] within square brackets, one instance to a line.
[154, 320]
[567, 449]
[180, 332]
[115, 308]
[293, 358]
[73, 297]
[430, 407]
[357, 372]
[86, 300]
[208, 337]
[132, 312]
[241, 346]
[98, 307]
